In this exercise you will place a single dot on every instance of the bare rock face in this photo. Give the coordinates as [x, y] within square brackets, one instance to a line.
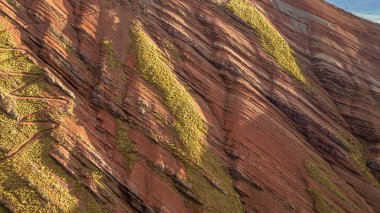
[188, 106]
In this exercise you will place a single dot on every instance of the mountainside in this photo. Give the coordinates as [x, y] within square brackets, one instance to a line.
[369, 9]
[188, 106]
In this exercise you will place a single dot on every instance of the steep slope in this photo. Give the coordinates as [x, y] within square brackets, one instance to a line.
[188, 106]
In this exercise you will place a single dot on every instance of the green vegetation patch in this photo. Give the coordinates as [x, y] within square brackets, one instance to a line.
[112, 58]
[208, 180]
[125, 145]
[20, 108]
[8, 54]
[36, 89]
[6, 40]
[157, 70]
[172, 50]
[26, 107]
[15, 79]
[13, 134]
[97, 178]
[15, 62]
[318, 175]
[357, 152]
[27, 184]
[87, 201]
[20, 64]
[272, 41]
[321, 204]
[9, 83]
[213, 185]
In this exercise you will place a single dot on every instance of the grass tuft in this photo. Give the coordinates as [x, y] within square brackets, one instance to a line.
[213, 185]
[271, 40]
[125, 145]
[318, 175]
[13, 134]
[12, 82]
[157, 70]
[28, 185]
[22, 64]
[112, 58]
[321, 205]
[357, 152]
[36, 89]
[6, 40]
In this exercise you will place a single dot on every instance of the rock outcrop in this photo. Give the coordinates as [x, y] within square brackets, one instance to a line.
[188, 106]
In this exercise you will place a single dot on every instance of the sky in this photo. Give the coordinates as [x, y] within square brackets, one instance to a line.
[369, 9]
